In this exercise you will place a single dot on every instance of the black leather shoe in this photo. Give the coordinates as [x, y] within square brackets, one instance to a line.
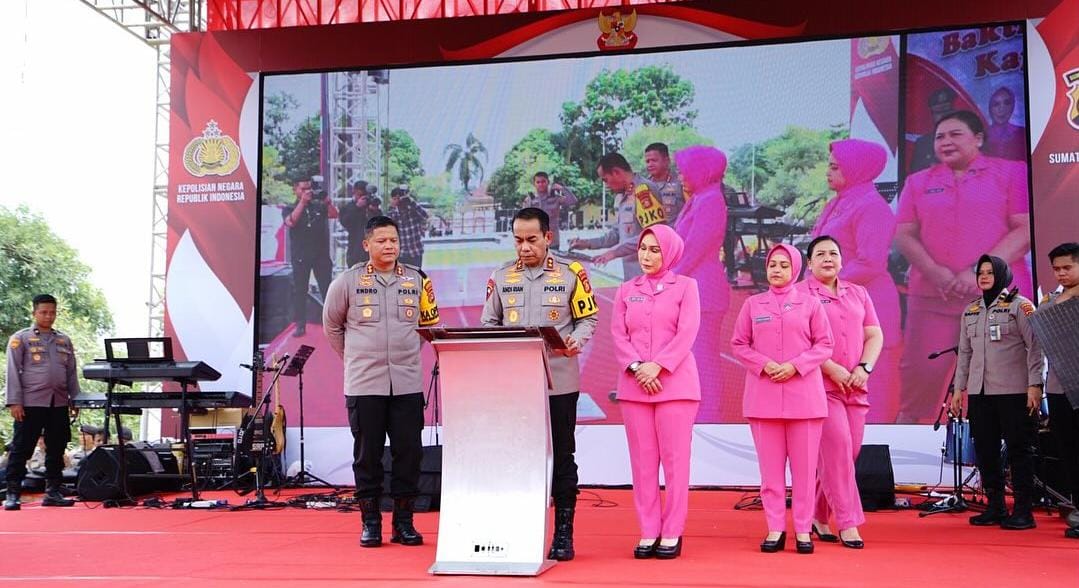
[562, 543]
[669, 552]
[803, 546]
[826, 537]
[372, 523]
[992, 516]
[1072, 532]
[403, 530]
[12, 501]
[855, 544]
[774, 546]
[53, 497]
[1018, 522]
[645, 551]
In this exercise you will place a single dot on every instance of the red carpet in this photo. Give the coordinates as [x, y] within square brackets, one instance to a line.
[94, 546]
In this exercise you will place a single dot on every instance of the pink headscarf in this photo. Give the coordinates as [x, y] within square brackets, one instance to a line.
[703, 166]
[671, 246]
[796, 266]
[860, 161]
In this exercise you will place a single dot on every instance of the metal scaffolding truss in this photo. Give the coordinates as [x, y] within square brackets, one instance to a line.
[356, 117]
[231, 15]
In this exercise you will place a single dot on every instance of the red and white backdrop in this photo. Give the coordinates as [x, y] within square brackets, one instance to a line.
[215, 268]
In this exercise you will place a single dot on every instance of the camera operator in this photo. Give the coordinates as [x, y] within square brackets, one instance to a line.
[353, 218]
[411, 221]
[309, 234]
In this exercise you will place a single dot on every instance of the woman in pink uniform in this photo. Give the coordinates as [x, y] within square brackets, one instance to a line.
[949, 215]
[858, 340]
[862, 223]
[656, 318]
[782, 337]
[703, 226]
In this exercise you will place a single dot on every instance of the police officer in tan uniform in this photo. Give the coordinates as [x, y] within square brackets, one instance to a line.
[550, 198]
[370, 319]
[664, 182]
[1000, 369]
[636, 208]
[539, 289]
[42, 380]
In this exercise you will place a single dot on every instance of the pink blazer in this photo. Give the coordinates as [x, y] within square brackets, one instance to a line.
[658, 326]
[797, 332]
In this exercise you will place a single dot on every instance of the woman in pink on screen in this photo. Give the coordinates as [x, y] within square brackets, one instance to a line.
[656, 318]
[703, 226]
[949, 215]
[782, 337]
[862, 223]
[858, 341]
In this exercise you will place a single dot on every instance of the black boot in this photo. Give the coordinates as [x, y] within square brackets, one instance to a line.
[403, 531]
[562, 544]
[54, 497]
[1022, 517]
[994, 513]
[12, 502]
[372, 523]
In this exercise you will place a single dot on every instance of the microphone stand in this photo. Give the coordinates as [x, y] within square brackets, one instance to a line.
[259, 501]
[957, 426]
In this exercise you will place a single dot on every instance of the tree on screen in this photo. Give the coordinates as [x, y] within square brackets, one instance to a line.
[467, 160]
[277, 109]
[536, 152]
[402, 157]
[34, 260]
[301, 151]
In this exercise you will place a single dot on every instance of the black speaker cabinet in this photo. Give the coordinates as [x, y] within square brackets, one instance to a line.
[876, 480]
[148, 470]
[430, 484]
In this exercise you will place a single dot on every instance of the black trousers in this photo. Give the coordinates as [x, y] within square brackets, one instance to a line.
[371, 418]
[997, 418]
[50, 420]
[301, 277]
[1064, 422]
[563, 409]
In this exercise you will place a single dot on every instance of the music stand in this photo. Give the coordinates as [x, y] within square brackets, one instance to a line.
[295, 368]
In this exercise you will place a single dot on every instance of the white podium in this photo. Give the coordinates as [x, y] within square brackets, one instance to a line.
[496, 449]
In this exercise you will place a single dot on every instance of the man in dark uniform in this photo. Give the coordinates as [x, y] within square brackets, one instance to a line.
[1064, 405]
[309, 237]
[41, 382]
[1000, 364]
[538, 289]
[353, 217]
[370, 319]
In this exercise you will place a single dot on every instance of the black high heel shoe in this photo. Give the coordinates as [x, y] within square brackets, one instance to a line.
[826, 537]
[668, 552]
[774, 546]
[645, 551]
[803, 546]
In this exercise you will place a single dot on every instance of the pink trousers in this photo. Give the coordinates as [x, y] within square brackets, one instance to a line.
[706, 350]
[777, 441]
[660, 432]
[840, 442]
[931, 326]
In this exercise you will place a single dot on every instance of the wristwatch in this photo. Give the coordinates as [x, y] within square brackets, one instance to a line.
[633, 367]
[866, 366]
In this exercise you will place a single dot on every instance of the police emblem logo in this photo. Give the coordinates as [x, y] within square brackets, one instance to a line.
[553, 300]
[1071, 79]
[212, 154]
[15, 342]
[553, 315]
[513, 316]
[1027, 308]
[490, 287]
[410, 312]
[511, 300]
[974, 307]
[367, 300]
[408, 284]
[37, 357]
[367, 281]
[410, 300]
[367, 312]
[513, 277]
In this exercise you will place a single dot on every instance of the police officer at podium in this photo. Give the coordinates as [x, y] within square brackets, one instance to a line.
[370, 319]
[538, 289]
[1000, 370]
[42, 380]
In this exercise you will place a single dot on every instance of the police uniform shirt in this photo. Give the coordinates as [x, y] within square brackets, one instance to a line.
[635, 210]
[41, 368]
[552, 204]
[671, 193]
[997, 348]
[557, 293]
[370, 320]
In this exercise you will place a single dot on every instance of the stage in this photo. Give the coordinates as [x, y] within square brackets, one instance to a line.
[89, 545]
